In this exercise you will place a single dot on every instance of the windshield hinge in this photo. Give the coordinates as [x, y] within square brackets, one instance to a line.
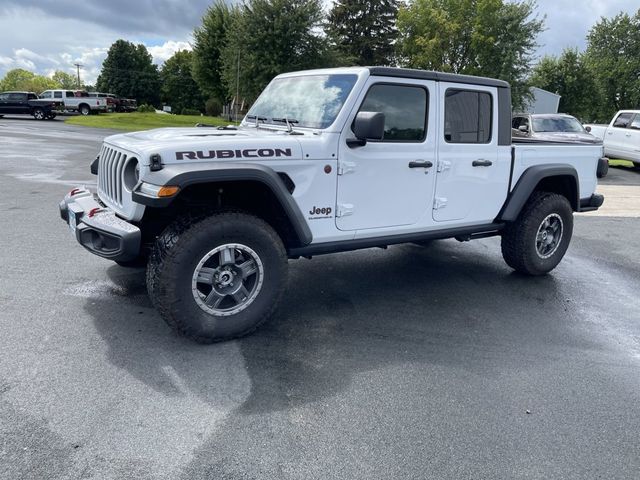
[346, 167]
[344, 210]
[439, 202]
[443, 165]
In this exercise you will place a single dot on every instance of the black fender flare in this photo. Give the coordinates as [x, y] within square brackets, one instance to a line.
[527, 183]
[186, 175]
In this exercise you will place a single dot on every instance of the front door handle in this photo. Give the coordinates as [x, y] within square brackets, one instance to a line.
[482, 163]
[420, 164]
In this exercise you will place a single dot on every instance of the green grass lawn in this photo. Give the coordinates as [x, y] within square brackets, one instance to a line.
[142, 121]
[620, 163]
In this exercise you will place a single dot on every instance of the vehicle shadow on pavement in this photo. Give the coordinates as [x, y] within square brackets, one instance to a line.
[342, 315]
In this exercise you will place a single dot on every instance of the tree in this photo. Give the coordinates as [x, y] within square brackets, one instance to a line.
[65, 80]
[569, 77]
[24, 80]
[269, 37]
[209, 40]
[179, 89]
[364, 32]
[128, 71]
[613, 55]
[475, 37]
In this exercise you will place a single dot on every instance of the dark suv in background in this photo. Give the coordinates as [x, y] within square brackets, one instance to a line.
[28, 103]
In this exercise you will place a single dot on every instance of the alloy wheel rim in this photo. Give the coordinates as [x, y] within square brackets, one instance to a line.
[549, 235]
[227, 279]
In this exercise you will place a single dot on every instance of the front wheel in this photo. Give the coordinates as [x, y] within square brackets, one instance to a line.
[536, 242]
[217, 278]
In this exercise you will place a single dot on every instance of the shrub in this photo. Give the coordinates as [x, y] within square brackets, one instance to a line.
[213, 107]
[144, 108]
[189, 111]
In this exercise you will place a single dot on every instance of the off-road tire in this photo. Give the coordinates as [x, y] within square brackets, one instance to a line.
[519, 238]
[84, 110]
[51, 116]
[176, 256]
[38, 114]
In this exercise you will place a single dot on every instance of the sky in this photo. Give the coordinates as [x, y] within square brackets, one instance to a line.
[48, 35]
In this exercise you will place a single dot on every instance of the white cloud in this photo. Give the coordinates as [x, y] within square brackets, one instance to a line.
[161, 53]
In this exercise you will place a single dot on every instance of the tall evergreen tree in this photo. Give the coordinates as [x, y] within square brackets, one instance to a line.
[128, 71]
[364, 32]
[269, 37]
[209, 40]
[179, 89]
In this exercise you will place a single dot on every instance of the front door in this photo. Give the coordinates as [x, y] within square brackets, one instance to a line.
[389, 183]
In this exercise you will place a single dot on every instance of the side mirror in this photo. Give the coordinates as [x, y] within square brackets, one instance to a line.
[588, 128]
[523, 128]
[367, 126]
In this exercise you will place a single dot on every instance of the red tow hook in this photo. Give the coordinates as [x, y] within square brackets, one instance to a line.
[93, 211]
[75, 191]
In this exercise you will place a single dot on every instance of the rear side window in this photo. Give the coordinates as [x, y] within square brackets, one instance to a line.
[635, 124]
[32, 96]
[17, 97]
[57, 94]
[404, 108]
[623, 120]
[467, 116]
[70, 94]
[4, 97]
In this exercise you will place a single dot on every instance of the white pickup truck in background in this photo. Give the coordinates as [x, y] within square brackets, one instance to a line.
[77, 101]
[621, 137]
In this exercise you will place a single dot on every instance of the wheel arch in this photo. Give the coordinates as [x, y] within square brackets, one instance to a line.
[254, 189]
[555, 178]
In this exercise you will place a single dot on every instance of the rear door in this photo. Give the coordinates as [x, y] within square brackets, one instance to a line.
[632, 136]
[4, 103]
[471, 176]
[15, 103]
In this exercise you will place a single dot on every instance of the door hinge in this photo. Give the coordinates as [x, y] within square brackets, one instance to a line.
[344, 210]
[346, 167]
[439, 202]
[443, 165]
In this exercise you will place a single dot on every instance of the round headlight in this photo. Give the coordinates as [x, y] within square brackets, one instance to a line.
[131, 174]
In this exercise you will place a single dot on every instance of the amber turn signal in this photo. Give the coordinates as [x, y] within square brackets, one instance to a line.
[168, 191]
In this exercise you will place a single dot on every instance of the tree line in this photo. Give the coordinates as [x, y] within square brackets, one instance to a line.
[238, 49]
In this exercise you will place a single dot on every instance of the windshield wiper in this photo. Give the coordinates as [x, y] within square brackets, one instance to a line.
[289, 122]
[257, 118]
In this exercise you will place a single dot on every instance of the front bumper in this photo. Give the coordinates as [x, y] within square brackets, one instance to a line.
[97, 228]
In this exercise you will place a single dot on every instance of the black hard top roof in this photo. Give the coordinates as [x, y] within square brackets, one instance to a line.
[437, 76]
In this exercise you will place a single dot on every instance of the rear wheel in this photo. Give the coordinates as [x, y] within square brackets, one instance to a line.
[84, 110]
[536, 242]
[38, 114]
[219, 277]
[51, 116]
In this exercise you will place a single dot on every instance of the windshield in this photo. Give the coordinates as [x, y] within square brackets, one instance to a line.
[312, 101]
[557, 124]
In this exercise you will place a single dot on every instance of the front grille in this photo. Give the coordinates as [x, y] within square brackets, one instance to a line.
[110, 178]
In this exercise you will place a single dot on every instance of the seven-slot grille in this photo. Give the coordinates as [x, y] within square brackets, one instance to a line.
[110, 178]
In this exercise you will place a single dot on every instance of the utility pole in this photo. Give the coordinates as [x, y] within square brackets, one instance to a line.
[78, 69]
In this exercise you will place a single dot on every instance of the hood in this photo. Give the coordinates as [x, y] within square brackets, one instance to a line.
[200, 144]
[567, 137]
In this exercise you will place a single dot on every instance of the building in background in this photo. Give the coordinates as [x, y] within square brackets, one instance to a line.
[543, 102]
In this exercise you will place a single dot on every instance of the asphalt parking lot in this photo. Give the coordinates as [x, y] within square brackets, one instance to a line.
[406, 363]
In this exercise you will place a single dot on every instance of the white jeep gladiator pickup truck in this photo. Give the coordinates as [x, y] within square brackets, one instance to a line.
[326, 161]
[621, 137]
[77, 101]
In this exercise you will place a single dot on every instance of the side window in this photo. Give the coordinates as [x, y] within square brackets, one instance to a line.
[467, 116]
[31, 96]
[69, 94]
[623, 120]
[404, 108]
[46, 94]
[635, 124]
[57, 94]
[17, 97]
[4, 97]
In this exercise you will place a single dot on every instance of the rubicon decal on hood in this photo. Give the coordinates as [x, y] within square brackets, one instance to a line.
[245, 153]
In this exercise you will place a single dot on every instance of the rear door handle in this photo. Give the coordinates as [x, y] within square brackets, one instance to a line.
[482, 163]
[420, 164]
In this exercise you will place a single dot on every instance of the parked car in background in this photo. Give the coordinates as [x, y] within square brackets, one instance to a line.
[621, 137]
[77, 101]
[554, 127]
[114, 104]
[28, 103]
[128, 104]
